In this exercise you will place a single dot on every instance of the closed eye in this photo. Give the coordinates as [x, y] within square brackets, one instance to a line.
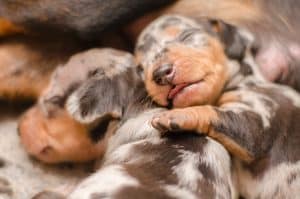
[187, 34]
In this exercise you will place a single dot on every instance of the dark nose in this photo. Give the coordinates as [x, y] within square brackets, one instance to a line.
[163, 75]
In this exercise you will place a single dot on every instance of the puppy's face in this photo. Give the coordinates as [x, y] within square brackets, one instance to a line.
[89, 86]
[184, 62]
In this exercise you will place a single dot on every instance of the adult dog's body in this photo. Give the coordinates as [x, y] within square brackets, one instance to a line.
[192, 64]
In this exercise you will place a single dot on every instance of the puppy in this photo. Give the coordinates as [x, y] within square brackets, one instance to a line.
[48, 132]
[274, 24]
[138, 162]
[205, 71]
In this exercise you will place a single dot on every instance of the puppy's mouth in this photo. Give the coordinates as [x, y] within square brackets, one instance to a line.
[179, 88]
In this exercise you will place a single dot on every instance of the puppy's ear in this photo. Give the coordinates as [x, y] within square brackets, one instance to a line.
[95, 99]
[104, 97]
[235, 44]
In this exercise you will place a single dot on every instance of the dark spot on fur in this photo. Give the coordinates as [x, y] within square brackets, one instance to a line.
[187, 35]
[292, 177]
[95, 72]
[98, 132]
[245, 69]
[148, 41]
[2, 162]
[174, 126]
[235, 45]
[60, 100]
[98, 196]
[71, 89]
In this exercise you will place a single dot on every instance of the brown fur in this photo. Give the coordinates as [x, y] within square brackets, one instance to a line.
[57, 138]
[8, 28]
[26, 64]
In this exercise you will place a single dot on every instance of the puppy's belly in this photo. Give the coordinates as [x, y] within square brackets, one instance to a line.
[281, 181]
[183, 166]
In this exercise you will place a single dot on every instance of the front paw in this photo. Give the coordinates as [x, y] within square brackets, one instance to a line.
[169, 121]
[176, 120]
[198, 119]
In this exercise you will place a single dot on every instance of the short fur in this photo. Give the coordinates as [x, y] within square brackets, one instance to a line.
[257, 121]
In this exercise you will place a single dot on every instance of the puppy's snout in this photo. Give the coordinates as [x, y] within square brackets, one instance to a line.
[164, 74]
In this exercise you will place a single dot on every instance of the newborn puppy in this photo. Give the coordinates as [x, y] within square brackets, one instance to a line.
[138, 162]
[49, 133]
[206, 68]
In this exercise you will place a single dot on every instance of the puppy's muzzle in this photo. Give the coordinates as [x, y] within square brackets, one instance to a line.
[164, 74]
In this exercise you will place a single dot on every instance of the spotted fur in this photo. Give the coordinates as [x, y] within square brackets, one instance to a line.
[254, 119]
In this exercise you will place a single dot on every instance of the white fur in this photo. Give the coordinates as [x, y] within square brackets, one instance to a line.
[266, 185]
[107, 181]
[178, 192]
[219, 160]
[187, 170]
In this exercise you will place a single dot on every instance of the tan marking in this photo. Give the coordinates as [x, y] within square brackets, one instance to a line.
[231, 146]
[228, 97]
[172, 31]
[57, 138]
[8, 28]
[192, 65]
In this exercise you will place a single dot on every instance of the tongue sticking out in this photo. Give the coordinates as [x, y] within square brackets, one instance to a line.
[176, 90]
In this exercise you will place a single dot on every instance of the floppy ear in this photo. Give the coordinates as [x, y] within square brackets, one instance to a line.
[103, 97]
[235, 44]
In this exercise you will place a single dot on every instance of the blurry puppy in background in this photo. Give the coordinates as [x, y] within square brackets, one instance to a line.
[205, 70]
[49, 133]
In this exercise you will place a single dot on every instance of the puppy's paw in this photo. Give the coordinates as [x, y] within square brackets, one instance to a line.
[196, 119]
[169, 121]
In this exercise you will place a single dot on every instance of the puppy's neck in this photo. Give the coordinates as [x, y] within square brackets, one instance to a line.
[243, 70]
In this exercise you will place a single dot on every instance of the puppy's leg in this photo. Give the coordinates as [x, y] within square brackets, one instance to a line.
[244, 128]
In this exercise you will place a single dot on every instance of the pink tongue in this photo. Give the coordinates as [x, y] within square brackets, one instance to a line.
[175, 90]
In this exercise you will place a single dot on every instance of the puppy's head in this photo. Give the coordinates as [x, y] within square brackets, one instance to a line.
[184, 61]
[102, 78]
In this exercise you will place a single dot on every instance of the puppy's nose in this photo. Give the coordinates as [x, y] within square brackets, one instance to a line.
[164, 74]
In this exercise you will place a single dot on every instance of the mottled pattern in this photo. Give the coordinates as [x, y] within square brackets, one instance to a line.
[255, 120]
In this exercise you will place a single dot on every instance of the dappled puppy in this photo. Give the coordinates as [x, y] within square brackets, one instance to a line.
[47, 130]
[138, 162]
[207, 68]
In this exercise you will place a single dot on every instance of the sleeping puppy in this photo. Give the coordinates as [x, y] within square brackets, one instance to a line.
[138, 162]
[205, 71]
[48, 132]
